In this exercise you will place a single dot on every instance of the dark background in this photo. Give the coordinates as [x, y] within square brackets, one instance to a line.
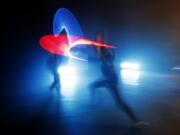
[146, 31]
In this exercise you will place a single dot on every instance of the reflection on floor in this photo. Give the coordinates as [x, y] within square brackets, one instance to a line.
[37, 110]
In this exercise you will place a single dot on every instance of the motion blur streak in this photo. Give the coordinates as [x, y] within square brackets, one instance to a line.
[65, 20]
[59, 44]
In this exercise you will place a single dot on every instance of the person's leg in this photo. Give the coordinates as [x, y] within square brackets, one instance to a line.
[95, 85]
[122, 104]
[56, 82]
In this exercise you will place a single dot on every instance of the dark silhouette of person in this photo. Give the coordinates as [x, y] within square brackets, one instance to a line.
[54, 62]
[110, 81]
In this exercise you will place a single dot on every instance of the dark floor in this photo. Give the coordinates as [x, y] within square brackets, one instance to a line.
[155, 98]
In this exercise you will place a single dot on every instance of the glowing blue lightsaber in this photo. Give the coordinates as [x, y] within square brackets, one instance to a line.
[65, 20]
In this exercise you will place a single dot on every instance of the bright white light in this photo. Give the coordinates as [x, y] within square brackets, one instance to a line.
[176, 68]
[68, 77]
[128, 65]
[130, 76]
[66, 70]
[130, 73]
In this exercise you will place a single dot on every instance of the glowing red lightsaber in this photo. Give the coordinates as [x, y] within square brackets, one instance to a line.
[59, 44]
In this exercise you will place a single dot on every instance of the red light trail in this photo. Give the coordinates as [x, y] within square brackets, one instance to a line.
[60, 45]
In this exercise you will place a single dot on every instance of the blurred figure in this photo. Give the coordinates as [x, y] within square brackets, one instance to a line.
[110, 80]
[54, 62]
